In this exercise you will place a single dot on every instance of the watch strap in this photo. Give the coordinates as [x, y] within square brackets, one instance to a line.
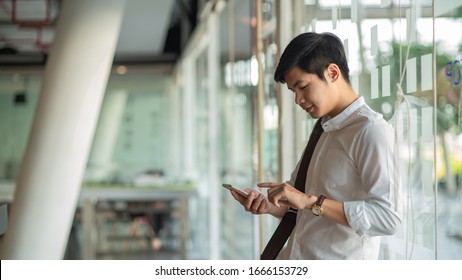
[320, 200]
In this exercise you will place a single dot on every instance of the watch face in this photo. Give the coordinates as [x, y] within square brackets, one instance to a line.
[316, 210]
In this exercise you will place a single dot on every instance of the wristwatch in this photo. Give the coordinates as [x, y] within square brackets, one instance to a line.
[317, 209]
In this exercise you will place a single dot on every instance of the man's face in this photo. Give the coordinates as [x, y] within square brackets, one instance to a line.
[312, 94]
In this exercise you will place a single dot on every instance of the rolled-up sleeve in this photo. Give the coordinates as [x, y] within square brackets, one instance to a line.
[380, 212]
[371, 219]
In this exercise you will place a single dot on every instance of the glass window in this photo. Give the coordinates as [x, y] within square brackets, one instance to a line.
[447, 107]
[19, 93]
[406, 63]
[237, 126]
[131, 137]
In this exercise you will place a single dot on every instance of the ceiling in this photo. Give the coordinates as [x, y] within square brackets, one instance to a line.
[152, 31]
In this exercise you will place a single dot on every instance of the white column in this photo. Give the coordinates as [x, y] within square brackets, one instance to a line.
[189, 122]
[286, 112]
[74, 82]
[174, 115]
[213, 61]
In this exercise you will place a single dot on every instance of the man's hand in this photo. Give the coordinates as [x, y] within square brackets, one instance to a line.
[255, 203]
[258, 203]
[283, 194]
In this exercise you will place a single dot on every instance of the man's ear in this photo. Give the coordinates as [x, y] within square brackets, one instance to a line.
[333, 72]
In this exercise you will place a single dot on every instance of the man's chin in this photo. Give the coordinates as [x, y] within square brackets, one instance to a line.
[314, 115]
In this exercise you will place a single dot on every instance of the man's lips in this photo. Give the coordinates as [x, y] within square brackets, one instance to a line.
[309, 109]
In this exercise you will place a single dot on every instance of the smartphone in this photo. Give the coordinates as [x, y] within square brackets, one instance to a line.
[239, 191]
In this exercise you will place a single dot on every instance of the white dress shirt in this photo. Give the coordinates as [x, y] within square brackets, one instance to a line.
[353, 162]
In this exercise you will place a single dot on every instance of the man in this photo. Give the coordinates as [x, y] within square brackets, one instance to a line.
[351, 173]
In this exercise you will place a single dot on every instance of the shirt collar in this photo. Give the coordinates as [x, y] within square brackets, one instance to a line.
[337, 122]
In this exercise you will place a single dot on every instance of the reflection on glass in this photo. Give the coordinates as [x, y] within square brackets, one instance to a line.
[239, 76]
[407, 65]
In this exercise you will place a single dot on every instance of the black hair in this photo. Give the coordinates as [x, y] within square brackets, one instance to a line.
[312, 53]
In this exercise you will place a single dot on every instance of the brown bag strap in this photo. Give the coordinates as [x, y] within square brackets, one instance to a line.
[287, 224]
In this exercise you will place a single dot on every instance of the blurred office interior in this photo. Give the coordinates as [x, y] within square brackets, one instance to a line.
[120, 120]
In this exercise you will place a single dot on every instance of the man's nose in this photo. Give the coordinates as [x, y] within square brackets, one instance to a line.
[299, 98]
